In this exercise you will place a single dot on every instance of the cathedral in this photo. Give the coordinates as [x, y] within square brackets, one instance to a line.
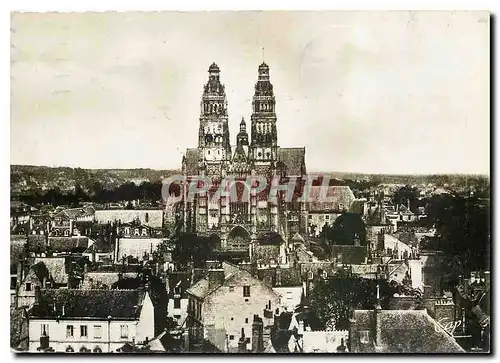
[241, 224]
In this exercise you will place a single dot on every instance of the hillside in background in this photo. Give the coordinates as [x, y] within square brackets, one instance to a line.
[27, 178]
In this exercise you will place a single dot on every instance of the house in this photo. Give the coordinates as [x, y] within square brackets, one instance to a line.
[104, 279]
[325, 204]
[178, 284]
[67, 245]
[398, 331]
[152, 218]
[139, 248]
[36, 277]
[223, 303]
[98, 321]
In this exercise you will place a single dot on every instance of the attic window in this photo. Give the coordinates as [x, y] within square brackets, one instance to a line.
[231, 337]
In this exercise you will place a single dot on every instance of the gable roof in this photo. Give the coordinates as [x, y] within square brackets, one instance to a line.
[56, 267]
[118, 304]
[73, 213]
[201, 289]
[105, 278]
[405, 331]
[68, 244]
[336, 196]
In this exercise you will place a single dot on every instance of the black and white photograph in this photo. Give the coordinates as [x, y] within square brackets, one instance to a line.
[239, 182]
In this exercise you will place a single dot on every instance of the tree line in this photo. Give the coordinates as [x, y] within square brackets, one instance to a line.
[129, 191]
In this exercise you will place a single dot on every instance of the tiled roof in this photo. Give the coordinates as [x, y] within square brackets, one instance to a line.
[91, 279]
[293, 160]
[68, 244]
[405, 331]
[191, 161]
[201, 289]
[297, 237]
[40, 270]
[56, 267]
[73, 213]
[119, 304]
[336, 197]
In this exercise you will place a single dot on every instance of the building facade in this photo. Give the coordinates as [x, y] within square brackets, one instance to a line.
[239, 223]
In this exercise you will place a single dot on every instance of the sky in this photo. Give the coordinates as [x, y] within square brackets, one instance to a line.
[371, 92]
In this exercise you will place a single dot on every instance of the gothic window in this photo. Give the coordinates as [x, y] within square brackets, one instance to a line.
[208, 138]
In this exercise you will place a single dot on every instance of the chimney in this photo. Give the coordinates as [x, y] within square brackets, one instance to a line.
[63, 310]
[487, 280]
[70, 227]
[44, 341]
[37, 295]
[242, 343]
[268, 313]
[341, 348]
[215, 276]
[378, 323]
[257, 335]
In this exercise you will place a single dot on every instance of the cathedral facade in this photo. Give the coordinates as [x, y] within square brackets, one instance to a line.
[241, 223]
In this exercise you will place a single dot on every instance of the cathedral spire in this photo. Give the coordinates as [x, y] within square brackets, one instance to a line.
[242, 138]
[263, 130]
[214, 129]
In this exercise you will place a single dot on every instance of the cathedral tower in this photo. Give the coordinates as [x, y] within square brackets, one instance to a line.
[264, 142]
[214, 129]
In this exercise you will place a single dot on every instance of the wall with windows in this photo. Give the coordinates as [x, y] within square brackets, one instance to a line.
[233, 306]
[66, 335]
[319, 220]
[290, 297]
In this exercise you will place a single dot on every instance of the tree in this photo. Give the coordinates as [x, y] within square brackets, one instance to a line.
[332, 300]
[462, 234]
[346, 229]
[406, 195]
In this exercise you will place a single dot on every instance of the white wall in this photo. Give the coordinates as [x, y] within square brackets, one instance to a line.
[59, 341]
[290, 297]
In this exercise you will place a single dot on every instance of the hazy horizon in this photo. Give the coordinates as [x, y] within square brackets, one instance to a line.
[310, 172]
[390, 93]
